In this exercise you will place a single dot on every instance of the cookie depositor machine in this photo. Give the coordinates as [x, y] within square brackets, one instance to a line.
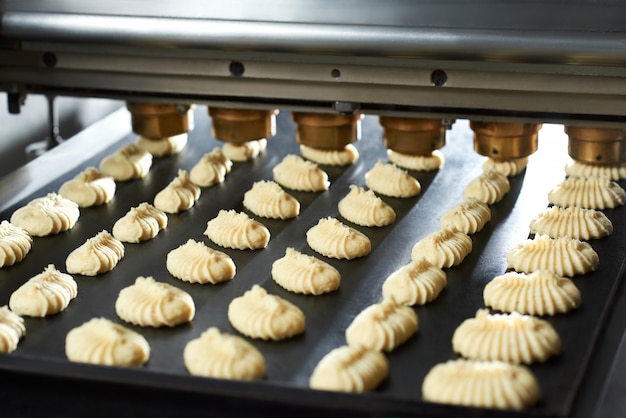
[507, 66]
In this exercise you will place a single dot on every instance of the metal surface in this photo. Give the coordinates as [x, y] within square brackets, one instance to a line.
[563, 379]
[496, 59]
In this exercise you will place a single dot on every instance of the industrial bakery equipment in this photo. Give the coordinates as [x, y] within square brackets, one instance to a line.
[395, 74]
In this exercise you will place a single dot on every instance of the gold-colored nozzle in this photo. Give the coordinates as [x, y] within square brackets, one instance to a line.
[412, 135]
[154, 120]
[597, 145]
[327, 130]
[242, 125]
[505, 141]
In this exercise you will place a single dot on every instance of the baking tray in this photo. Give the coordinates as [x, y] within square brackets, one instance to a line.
[291, 362]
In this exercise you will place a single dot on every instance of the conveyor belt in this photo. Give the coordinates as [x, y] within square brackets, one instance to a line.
[290, 363]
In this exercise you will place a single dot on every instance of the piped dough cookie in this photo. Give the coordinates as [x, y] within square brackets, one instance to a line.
[295, 173]
[15, 243]
[211, 169]
[246, 151]
[268, 200]
[382, 326]
[390, 180]
[564, 256]
[539, 293]
[350, 369]
[194, 262]
[12, 329]
[301, 273]
[612, 171]
[444, 248]
[231, 229]
[341, 157]
[333, 239]
[508, 168]
[149, 303]
[257, 314]
[364, 208]
[97, 255]
[490, 187]
[469, 216]
[508, 337]
[129, 162]
[588, 192]
[162, 147]
[140, 224]
[490, 384]
[431, 162]
[89, 188]
[178, 196]
[48, 215]
[45, 294]
[103, 342]
[416, 283]
[223, 356]
[572, 222]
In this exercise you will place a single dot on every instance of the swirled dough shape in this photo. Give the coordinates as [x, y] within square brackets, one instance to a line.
[45, 294]
[416, 283]
[211, 169]
[231, 229]
[588, 192]
[364, 208]
[469, 216]
[490, 187]
[563, 256]
[97, 255]
[162, 147]
[268, 200]
[390, 180]
[223, 356]
[612, 171]
[431, 162]
[12, 329]
[48, 215]
[483, 384]
[572, 222]
[333, 239]
[101, 341]
[297, 174]
[149, 303]
[341, 157]
[382, 326]
[246, 151]
[444, 248]
[89, 188]
[508, 168]
[194, 262]
[178, 196]
[15, 243]
[140, 224]
[301, 273]
[350, 369]
[258, 314]
[511, 338]
[539, 293]
[129, 162]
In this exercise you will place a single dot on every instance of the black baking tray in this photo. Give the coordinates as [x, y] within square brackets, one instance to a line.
[291, 362]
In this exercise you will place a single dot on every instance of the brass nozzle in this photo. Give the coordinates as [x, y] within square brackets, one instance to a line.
[242, 125]
[413, 135]
[597, 145]
[505, 141]
[327, 130]
[154, 120]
